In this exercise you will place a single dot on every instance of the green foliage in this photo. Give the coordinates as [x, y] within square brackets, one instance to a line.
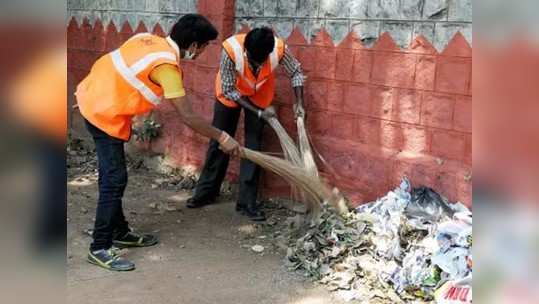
[148, 130]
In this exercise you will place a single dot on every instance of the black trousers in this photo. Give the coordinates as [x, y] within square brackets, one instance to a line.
[214, 170]
[109, 219]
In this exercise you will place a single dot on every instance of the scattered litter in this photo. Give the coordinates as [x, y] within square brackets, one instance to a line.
[293, 205]
[257, 248]
[170, 208]
[89, 231]
[155, 257]
[402, 248]
[178, 198]
[160, 181]
[247, 229]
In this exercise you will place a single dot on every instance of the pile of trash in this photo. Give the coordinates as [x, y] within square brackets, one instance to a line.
[410, 246]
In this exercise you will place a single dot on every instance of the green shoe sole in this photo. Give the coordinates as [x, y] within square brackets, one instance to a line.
[93, 261]
[122, 244]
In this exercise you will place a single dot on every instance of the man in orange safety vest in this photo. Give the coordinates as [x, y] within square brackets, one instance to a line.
[246, 79]
[128, 81]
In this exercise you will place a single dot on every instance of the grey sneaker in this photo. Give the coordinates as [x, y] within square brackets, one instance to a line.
[135, 239]
[109, 259]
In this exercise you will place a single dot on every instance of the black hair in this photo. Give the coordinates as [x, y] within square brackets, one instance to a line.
[259, 44]
[192, 28]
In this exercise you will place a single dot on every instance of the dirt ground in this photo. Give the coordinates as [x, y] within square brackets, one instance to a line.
[204, 255]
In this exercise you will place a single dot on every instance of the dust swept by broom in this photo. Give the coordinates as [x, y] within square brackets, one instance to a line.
[314, 189]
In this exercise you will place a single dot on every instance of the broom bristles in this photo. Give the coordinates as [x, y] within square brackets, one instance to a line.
[292, 155]
[311, 186]
[305, 148]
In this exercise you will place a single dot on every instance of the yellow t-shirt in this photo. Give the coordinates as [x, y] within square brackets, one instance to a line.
[169, 78]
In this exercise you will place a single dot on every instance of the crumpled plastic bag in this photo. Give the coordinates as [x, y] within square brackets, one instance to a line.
[454, 240]
[454, 233]
[414, 271]
[400, 248]
[428, 205]
[453, 262]
[388, 211]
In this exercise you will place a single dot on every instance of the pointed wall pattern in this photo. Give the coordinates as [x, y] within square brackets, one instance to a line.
[150, 12]
[437, 20]
[376, 112]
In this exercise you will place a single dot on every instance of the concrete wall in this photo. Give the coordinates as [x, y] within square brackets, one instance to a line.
[375, 113]
[437, 20]
[151, 12]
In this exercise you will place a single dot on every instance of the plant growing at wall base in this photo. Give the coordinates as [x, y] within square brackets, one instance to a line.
[147, 130]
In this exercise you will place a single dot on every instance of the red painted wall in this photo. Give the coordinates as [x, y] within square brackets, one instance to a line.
[375, 114]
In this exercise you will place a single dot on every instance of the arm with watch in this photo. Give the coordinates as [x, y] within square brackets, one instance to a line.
[265, 114]
[292, 68]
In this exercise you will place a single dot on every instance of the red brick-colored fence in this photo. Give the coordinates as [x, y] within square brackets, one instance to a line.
[375, 114]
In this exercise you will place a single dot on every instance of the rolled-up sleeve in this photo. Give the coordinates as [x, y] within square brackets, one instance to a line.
[228, 78]
[293, 69]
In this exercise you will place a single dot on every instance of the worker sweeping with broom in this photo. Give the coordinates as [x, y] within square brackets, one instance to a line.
[129, 81]
[246, 80]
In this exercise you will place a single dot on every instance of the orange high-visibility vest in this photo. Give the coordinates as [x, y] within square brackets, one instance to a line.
[119, 86]
[261, 89]
[39, 97]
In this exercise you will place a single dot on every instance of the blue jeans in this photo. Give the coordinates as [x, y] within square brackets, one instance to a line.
[109, 219]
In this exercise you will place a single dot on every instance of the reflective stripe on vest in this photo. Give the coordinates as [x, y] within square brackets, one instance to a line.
[274, 56]
[238, 54]
[143, 63]
[130, 73]
[240, 63]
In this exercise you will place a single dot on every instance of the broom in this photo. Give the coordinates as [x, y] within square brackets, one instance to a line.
[292, 154]
[305, 148]
[288, 145]
[313, 188]
[306, 155]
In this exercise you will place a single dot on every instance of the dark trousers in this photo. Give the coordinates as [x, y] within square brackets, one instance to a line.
[214, 171]
[109, 220]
